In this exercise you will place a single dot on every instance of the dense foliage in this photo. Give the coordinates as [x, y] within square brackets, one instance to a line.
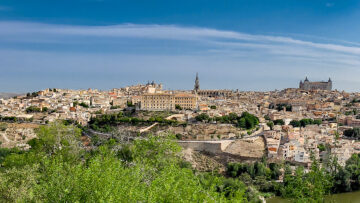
[279, 122]
[32, 95]
[281, 107]
[106, 122]
[304, 122]
[84, 105]
[3, 126]
[33, 109]
[300, 185]
[311, 186]
[245, 121]
[353, 133]
[58, 169]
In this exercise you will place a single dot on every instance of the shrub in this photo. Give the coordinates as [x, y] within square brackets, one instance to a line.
[33, 109]
[3, 126]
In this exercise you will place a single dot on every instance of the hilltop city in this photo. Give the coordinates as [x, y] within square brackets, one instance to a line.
[290, 124]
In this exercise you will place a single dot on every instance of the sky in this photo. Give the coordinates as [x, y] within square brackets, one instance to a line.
[249, 45]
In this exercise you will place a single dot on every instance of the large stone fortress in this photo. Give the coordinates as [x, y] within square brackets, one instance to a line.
[307, 85]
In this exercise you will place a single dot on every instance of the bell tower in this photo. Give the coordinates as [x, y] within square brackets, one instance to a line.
[197, 83]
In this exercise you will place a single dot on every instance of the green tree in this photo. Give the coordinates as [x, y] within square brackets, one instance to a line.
[84, 105]
[33, 109]
[279, 122]
[202, 117]
[307, 187]
[45, 109]
[295, 123]
[270, 124]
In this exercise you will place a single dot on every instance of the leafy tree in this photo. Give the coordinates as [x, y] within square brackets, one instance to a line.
[270, 124]
[58, 138]
[266, 117]
[317, 122]
[354, 133]
[178, 107]
[130, 104]
[247, 121]
[113, 107]
[3, 126]
[295, 123]
[321, 147]
[33, 109]
[202, 117]
[279, 122]
[307, 187]
[84, 105]
[212, 107]
[45, 109]
[280, 107]
[146, 170]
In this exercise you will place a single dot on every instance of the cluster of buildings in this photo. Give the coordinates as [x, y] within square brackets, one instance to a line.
[337, 110]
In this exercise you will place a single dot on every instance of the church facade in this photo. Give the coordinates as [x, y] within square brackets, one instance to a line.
[307, 85]
[211, 93]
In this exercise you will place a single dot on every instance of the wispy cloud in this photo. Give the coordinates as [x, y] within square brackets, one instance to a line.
[49, 32]
[162, 49]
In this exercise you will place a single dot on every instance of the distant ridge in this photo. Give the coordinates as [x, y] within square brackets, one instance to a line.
[6, 95]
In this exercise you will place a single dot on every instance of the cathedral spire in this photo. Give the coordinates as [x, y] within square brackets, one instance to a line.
[197, 84]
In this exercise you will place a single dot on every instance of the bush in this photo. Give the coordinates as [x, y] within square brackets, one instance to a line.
[45, 109]
[353, 133]
[304, 122]
[202, 117]
[143, 171]
[84, 105]
[270, 124]
[3, 126]
[279, 122]
[321, 147]
[33, 109]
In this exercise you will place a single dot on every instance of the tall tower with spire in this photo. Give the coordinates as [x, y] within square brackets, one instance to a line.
[197, 84]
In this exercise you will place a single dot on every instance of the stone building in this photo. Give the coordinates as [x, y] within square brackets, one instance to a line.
[157, 102]
[211, 93]
[307, 85]
[167, 101]
[186, 101]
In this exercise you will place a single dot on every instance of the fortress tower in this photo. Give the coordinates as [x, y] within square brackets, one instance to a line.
[307, 85]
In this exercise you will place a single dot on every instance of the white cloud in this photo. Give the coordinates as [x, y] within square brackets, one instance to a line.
[46, 32]
[223, 56]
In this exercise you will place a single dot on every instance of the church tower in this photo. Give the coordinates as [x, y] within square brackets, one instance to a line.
[197, 84]
[329, 85]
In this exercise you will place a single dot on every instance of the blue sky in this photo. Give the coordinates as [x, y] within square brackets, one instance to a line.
[243, 44]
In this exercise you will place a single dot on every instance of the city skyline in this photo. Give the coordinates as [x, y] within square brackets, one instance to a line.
[255, 46]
